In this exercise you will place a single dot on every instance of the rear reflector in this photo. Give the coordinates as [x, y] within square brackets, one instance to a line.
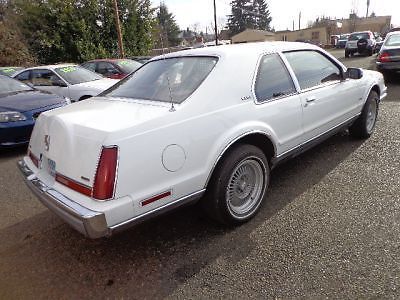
[104, 180]
[156, 198]
[72, 184]
[34, 159]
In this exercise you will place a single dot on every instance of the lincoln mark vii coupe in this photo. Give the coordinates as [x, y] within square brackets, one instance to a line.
[203, 124]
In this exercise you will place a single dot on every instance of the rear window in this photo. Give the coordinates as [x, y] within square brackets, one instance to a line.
[128, 66]
[359, 36]
[165, 80]
[393, 40]
[76, 74]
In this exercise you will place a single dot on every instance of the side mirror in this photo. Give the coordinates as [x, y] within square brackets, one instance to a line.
[354, 73]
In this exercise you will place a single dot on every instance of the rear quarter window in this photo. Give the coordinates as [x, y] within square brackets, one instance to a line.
[273, 79]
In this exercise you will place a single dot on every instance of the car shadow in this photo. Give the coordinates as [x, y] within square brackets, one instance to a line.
[42, 255]
[7, 153]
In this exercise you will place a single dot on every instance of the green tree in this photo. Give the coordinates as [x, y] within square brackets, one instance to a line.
[246, 14]
[78, 30]
[262, 15]
[168, 29]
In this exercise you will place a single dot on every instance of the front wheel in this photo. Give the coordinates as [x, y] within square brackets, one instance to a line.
[364, 126]
[238, 186]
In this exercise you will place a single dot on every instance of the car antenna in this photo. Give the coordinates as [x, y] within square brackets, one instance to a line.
[172, 109]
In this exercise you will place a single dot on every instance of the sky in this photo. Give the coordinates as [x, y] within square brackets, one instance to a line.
[283, 12]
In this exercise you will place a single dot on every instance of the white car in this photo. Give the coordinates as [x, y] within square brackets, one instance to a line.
[206, 122]
[66, 80]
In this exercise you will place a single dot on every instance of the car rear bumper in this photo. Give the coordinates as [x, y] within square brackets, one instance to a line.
[392, 66]
[90, 223]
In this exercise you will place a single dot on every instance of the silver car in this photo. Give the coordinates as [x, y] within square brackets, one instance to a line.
[388, 60]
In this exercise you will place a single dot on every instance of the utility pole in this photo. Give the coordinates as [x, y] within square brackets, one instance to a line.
[367, 8]
[118, 25]
[299, 19]
[293, 25]
[215, 24]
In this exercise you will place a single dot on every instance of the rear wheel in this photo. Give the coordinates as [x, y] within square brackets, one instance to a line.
[238, 186]
[346, 54]
[364, 126]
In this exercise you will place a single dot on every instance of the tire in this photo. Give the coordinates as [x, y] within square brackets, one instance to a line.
[346, 54]
[238, 185]
[364, 126]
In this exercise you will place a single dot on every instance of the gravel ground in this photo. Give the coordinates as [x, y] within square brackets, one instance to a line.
[330, 228]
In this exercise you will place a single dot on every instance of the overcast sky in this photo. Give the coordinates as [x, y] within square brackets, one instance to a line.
[283, 12]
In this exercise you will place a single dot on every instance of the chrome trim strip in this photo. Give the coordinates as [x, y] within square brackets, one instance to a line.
[318, 136]
[159, 210]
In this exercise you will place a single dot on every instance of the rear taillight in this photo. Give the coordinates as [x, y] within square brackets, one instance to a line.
[384, 57]
[34, 159]
[104, 180]
[72, 184]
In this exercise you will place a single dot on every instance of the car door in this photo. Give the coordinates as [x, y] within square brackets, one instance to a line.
[47, 80]
[327, 99]
[278, 103]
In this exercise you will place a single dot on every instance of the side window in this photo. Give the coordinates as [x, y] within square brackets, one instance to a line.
[312, 68]
[273, 79]
[24, 76]
[42, 77]
[106, 69]
[90, 66]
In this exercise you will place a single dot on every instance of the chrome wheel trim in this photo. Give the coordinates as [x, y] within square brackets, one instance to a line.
[246, 187]
[371, 115]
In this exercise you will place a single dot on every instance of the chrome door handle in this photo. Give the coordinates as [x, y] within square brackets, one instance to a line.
[311, 99]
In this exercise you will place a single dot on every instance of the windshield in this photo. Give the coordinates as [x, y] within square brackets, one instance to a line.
[359, 36]
[344, 37]
[10, 85]
[166, 80]
[9, 71]
[75, 74]
[393, 40]
[128, 66]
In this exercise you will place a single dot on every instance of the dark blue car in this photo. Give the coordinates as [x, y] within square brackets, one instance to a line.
[20, 105]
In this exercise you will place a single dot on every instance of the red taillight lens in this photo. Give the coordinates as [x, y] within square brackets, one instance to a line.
[384, 57]
[34, 159]
[104, 180]
[76, 186]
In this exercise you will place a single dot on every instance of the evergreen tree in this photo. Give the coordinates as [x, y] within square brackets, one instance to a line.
[168, 29]
[262, 15]
[246, 14]
[240, 19]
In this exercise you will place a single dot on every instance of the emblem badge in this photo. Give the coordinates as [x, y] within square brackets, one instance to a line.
[47, 142]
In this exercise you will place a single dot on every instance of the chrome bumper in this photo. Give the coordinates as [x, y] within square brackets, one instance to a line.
[90, 223]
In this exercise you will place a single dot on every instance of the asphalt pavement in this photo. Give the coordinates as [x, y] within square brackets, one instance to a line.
[330, 228]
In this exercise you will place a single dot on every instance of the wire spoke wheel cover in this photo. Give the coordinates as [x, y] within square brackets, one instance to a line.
[371, 116]
[246, 187]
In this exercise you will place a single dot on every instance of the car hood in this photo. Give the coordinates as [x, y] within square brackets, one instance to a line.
[28, 100]
[101, 84]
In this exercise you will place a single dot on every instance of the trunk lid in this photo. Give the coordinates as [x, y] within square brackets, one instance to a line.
[69, 141]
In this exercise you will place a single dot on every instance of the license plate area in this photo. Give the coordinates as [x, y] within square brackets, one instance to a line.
[49, 166]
